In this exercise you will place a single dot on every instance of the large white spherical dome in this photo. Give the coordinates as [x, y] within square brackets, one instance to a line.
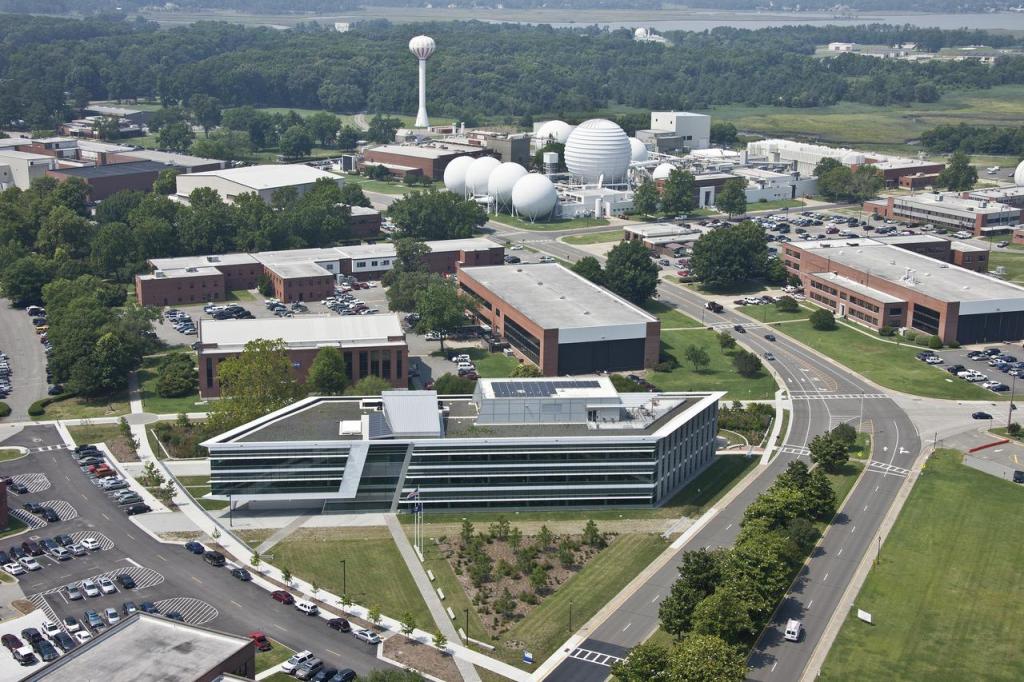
[556, 131]
[662, 171]
[637, 150]
[478, 173]
[533, 196]
[597, 148]
[455, 174]
[1018, 175]
[422, 46]
[502, 180]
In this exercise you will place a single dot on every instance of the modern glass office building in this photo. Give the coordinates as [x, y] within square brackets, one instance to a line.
[514, 443]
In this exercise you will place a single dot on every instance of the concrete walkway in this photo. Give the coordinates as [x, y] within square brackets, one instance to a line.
[282, 533]
[419, 576]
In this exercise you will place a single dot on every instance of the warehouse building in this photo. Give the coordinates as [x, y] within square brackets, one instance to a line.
[563, 323]
[880, 284]
[948, 210]
[19, 169]
[673, 131]
[515, 443]
[111, 179]
[263, 180]
[803, 158]
[428, 160]
[371, 345]
[1011, 196]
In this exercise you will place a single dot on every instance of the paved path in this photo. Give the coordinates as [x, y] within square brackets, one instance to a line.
[423, 584]
[282, 533]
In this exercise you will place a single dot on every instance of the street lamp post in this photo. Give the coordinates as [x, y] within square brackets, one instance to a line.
[467, 625]
[231, 510]
[1009, 410]
[344, 578]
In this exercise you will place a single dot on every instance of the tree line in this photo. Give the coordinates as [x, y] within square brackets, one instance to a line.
[528, 69]
[973, 139]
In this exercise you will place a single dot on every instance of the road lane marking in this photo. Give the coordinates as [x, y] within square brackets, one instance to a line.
[865, 507]
[196, 579]
[853, 529]
[161, 556]
[236, 603]
[825, 578]
[130, 536]
[279, 627]
[728, 527]
[810, 603]
[332, 651]
[773, 665]
[627, 627]
[655, 598]
[133, 562]
[840, 552]
[104, 516]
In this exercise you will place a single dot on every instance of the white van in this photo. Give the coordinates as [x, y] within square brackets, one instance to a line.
[295, 661]
[307, 607]
[793, 630]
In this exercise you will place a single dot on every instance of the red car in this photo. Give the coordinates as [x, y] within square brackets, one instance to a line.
[283, 597]
[260, 641]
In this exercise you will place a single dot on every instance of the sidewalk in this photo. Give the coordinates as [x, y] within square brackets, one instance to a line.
[422, 581]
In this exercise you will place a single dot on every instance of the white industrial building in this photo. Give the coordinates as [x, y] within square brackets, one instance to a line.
[767, 185]
[19, 169]
[263, 180]
[672, 131]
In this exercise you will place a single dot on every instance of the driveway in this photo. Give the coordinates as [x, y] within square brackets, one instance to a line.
[28, 361]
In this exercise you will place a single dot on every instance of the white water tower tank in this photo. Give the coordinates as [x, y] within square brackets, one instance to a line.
[455, 174]
[478, 173]
[534, 196]
[502, 180]
[598, 149]
[550, 163]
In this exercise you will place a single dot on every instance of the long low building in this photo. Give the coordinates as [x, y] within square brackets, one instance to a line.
[562, 322]
[949, 210]
[372, 345]
[515, 443]
[263, 180]
[881, 284]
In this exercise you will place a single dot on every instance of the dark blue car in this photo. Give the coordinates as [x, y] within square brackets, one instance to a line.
[195, 547]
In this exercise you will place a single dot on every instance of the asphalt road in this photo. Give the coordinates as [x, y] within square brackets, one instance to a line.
[28, 361]
[199, 591]
[823, 396]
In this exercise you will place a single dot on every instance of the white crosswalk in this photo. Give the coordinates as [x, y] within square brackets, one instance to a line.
[883, 468]
[797, 450]
[801, 395]
[36, 483]
[64, 510]
[31, 520]
[595, 657]
[194, 611]
[105, 542]
[50, 448]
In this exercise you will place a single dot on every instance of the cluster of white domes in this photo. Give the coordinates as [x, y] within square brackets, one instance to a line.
[502, 180]
[598, 149]
[455, 174]
[478, 173]
[553, 131]
[530, 195]
[534, 196]
[637, 150]
[1018, 175]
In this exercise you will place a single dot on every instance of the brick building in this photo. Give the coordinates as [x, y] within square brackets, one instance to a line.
[371, 345]
[881, 284]
[948, 210]
[364, 222]
[179, 287]
[560, 321]
[300, 281]
[113, 178]
[429, 160]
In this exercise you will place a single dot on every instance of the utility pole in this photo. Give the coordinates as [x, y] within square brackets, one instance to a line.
[231, 511]
[344, 578]
[570, 616]
[1009, 410]
[467, 625]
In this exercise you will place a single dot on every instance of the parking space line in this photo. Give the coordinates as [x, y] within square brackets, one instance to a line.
[195, 578]
[332, 651]
[161, 556]
[104, 516]
[235, 603]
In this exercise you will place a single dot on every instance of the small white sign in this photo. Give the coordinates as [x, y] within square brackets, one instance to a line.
[864, 615]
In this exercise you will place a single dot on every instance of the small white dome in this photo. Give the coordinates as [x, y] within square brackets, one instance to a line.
[641, 33]
[455, 174]
[478, 173]
[556, 131]
[598, 148]
[422, 46]
[637, 150]
[502, 180]
[662, 171]
[534, 196]
[1018, 175]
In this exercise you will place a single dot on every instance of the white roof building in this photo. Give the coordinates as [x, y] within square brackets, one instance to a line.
[264, 180]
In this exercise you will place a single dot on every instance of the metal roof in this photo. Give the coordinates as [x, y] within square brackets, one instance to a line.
[268, 176]
[412, 413]
[113, 170]
[303, 331]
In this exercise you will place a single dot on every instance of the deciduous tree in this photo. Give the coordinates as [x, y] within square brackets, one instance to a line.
[732, 198]
[630, 273]
[256, 382]
[958, 175]
[328, 374]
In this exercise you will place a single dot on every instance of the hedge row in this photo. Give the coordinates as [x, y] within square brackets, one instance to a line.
[38, 408]
[5, 410]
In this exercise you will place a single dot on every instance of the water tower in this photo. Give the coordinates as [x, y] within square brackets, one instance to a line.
[422, 47]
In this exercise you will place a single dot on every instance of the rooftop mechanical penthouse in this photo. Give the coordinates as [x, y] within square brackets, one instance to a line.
[513, 443]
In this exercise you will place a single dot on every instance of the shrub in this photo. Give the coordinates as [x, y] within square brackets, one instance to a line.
[787, 304]
[5, 409]
[910, 335]
[177, 376]
[934, 342]
[265, 286]
[1013, 429]
[823, 320]
[921, 340]
[953, 344]
[886, 330]
[746, 363]
[664, 366]
[38, 408]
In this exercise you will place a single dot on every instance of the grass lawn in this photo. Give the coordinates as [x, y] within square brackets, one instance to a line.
[769, 313]
[377, 576]
[1013, 262]
[885, 363]
[86, 408]
[711, 485]
[572, 224]
[774, 205]
[861, 449]
[719, 375]
[595, 237]
[547, 626]
[152, 401]
[669, 316]
[488, 365]
[198, 486]
[384, 187]
[240, 295]
[14, 526]
[279, 677]
[844, 480]
[7, 455]
[1002, 238]
[95, 433]
[268, 659]
[946, 597]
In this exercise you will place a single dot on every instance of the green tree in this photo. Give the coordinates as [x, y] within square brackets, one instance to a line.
[723, 614]
[373, 615]
[865, 183]
[828, 452]
[746, 363]
[107, 127]
[538, 579]
[732, 198]
[823, 320]
[825, 165]
[177, 137]
[630, 273]
[589, 268]
[700, 573]
[505, 604]
[440, 642]
[382, 129]
[592, 536]
[256, 382]
[787, 304]
[726, 341]
[544, 537]
[408, 623]
[229, 145]
[466, 532]
[450, 384]
[348, 137]
[646, 662]
[820, 494]
[296, 142]
[697, 356]
[705, 658]
[723, 133]
[845, 433]
[525, 370]
[206, 111]
[286, 575]
[255, 559]
[328, 374]
[679, 193]
[323, 126]
[431, 215]
[352, 194]
[645, 198]
[369, 385]
[441, 309]
[958, 175]
[176, 376]
[114, 252]
[727, 257]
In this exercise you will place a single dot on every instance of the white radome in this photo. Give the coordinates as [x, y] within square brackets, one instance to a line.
[422, 46]
[455, 174]
[534, 196]
[1018, 175]
[637, 150]
[557, 131]
[502, 180]
[641, 33]
[598, 148]
[662, 171]
[478, 173]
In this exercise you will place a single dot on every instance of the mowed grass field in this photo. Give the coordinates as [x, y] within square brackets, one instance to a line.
[669, 316]
[719, 375]
[595, 237]
[1013, 262]
[946, 597]
[563, 224]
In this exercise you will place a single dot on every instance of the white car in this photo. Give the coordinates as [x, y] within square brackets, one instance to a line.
[516, 247]
[83, 636]
[90, 543]
[295, 661]
[991, 384]
[106, 585]
[29, 563]
[14, 568]
[111, 615]
[368, 636]
[933, 360]
[50, 629]
[546, 259]
[90, 588]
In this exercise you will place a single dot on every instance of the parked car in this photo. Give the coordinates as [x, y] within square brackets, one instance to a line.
[283, 597]
[260, 641]
[64, 641]
[241, 574]
[1018, 476]
[148, 607]
[739, 328]
[292, 664]
[138, 509]
[93, 620]
[71, 624]
[90, 543]
[106, 585]
[83, 636]
[11, 642]
[339, 624]
[981, 415]
[368, 636]
[308, 669]
[29, 564]
[90, 588]
[126, 581]
[214, 558]
[306, 607]
[195, 547]
[128, 608]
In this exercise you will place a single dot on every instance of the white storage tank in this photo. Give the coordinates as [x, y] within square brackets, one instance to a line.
[534, 196]
[502, 180]
[598, 149]
[553, 131]
[455, 174]
[478, 173]
[637, 150]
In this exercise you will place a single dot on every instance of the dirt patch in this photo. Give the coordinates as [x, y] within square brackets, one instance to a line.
[182, 536]
[122, 450]
[23, 605]
[575, 527]
[421, 657]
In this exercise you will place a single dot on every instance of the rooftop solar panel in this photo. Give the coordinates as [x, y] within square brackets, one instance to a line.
[533, 389]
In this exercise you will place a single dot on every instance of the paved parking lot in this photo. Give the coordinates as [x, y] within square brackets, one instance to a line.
[166, 574]
[958, 356]
[28, 361]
